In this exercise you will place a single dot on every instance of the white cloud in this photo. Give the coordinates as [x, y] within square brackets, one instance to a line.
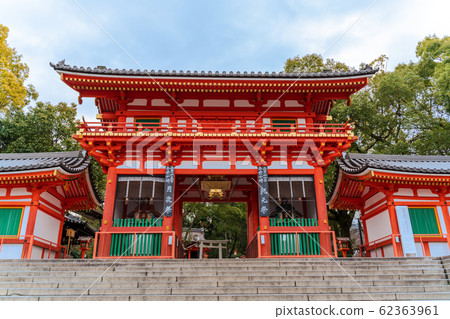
[251, 34]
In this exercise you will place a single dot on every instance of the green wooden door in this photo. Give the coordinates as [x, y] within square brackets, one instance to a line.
[424, 221]
[10, 221]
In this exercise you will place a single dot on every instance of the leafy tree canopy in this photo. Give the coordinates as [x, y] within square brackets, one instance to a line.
[406, 111]
[13, 74]
[41, 127]
[220, 221]
[313, 63]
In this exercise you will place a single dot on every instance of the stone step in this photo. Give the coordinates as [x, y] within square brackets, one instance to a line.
[311, 277]
[209, 268]
[224, 262]
[274, 272]
[246, 297]
[200, 284]
[219, 291]
[201, 278]
[228, 279]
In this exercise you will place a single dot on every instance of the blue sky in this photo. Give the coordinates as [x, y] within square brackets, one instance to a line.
[212, 35]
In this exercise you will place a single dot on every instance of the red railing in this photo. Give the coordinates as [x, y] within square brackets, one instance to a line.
[29, 242]
[428, 238]
[219, 127]
[379, 243]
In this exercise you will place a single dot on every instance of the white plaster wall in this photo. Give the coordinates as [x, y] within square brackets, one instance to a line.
[52, 199]
[365, 191]
[26, 214]
[378, 226]
[130, 164]
[441, 219]
[375, 198]
[2, 191]
[159, 102]
[426, 192]
[19, 191]
[300, 165]
[215, 103]
[153, 165]
[47, 227]
[187, 165]
[244, 165]
[376, 253]
[190, 102]
[138, 102]
[46, 256]
[36, 253]
[404, 192]
[59, 189]
[439, 249]
[270, 103]
[278, 165]
[419, 252]
[242, 103]
[388, 251]
[216, 165]
[11, 251]
[400, 200]
[406, 232]
[292, 103]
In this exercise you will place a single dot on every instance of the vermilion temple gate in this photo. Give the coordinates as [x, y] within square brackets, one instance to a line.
[165, 138]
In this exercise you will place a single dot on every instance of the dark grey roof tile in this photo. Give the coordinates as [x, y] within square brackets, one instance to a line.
[353, 163]
[71, 162]
[62, 66]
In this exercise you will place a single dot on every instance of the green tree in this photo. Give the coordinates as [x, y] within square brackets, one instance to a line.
[405, 111]
[221, 221]
[13, 74]
[42, 128]
[400, 112]
[434, 64]
[313, 63]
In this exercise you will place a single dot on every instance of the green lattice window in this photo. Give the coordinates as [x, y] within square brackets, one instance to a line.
[10, 221]
[424, 221]
[149, 122]
[283, 123]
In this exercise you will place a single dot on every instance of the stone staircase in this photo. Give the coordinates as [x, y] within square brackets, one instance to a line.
[227, 279]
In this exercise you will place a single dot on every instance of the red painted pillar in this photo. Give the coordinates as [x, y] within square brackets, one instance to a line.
[57, 255]
[394, 222]
[446, 215]
[36, 194]
[366, 236]
[322, 214]
[104, 243]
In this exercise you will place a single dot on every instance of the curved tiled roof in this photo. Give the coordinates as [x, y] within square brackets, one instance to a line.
[71, 162]
[352, 163]
[62, 66]
[79, 224]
